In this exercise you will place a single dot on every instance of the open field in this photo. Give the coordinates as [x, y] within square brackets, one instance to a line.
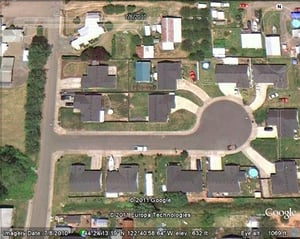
[61, 182]
[271, 21]
[12, 116]
[138, 109]
[179, 120]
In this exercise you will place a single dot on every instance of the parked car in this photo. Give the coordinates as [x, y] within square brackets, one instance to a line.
[284, 100]
[244, 5]
[273, 95]
[268, 128]
[67, 97]
[70, 104]
[140, 148]
[231, 146]
[236, 91]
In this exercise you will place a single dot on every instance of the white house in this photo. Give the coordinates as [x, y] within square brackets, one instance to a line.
[251, 40]
[273, 45]
[90, 31]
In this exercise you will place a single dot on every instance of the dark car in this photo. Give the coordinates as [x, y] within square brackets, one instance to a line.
[199, 164]
[69, 104]
[268, 128]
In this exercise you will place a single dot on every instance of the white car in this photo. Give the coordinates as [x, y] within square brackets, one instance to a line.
[236, 91]
[273, 95]
[140, 148]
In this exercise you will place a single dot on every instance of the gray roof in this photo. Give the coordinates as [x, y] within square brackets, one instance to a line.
[232, 74]
[98, 77]
[286, 120]
[12, 35]
[226, 180]
[89, 106]
[160, 106]
[179, 180]
[82, 180]
[168, 73]
[125, 180]
[285, 180]
[72, 218]
[6, 71]
[275, 74]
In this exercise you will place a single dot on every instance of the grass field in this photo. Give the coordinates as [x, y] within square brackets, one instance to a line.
[271, 19]
[122, 45]
[274, 149]
[190, 96]
[61, 182]
[138, 109]
[238, 158]
[179, 120]
[12, 116]
[73, 68]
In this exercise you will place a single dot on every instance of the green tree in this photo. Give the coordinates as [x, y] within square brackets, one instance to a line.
[76, 20]
[130, 8]
[108, 26]
[97, 53]
[187, 45]
[39, 51]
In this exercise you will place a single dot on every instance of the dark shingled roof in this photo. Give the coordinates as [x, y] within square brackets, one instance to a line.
[168, 73]
[125, 180]
[275, 74]
[285, 180]
[286, 120]
[82, 180]
[226, 180]
[232, 74]
[179, 180]
[160, 106]
[89, 106]
[72, 218]
[97, 77]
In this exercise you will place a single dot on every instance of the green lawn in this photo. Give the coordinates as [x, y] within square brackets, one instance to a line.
[270, 19]
[122, 45]
[138, 109]
[190, 96]
[274, 149]
[118, 102]
[179, 120]
[238, 158]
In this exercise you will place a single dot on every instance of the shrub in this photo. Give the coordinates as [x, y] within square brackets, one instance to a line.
[76, 20]
[108, 26]
[130, 8]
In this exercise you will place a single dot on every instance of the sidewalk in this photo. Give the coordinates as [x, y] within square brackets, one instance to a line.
[186, 85]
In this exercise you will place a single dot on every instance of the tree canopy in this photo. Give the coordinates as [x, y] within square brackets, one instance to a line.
[97, 53]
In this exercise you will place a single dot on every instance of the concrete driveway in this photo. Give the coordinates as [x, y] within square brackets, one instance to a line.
[70, 83]
[186, 85]
[228, 89]
[185, 104]
[261, 133]
[260, 95]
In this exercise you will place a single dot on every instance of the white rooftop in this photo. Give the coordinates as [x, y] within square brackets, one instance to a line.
[218, 52]
[6, 215]
[273, 46]
[147, 30]
[4, 47]
[251, 40]
[148, 51]
[167, 46]
[90, 31]
[25, 55]
[296, 33]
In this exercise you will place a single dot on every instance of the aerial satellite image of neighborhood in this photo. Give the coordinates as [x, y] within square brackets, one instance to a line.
[149, 119]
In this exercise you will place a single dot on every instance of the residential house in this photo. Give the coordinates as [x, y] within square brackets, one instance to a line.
[125, 180]
[251, 40]
[179, 180]
[272, 43]
[142, 71]
[171, 32]
[285, 119]
[145, 52]
[6, 71]
[99, 76]
[89, 106]
[6, 215]
[275, 74]
[159, 106]
[285, 180]
[90, 31]
[168, 72]
[75, 220]
[225, 182]
[232, 74]
[84, 180]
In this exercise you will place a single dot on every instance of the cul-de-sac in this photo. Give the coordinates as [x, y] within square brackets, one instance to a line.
[149, 119]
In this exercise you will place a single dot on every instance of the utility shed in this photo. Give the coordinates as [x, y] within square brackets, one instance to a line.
[251, 40]
[6, 71]
[272, 43]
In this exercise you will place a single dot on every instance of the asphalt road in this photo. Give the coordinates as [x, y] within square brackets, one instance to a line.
[222, 123]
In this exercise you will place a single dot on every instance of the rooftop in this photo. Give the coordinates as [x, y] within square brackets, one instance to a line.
[272, 43]
[6, 71]
[286, 120]
[171, 29]
[83, 180]
[225, 181]
[271, 73]
[285, 180]
[123, 181]
[89, 106]
[179, 180]
[99, 76]
[251, 40]
[142, 71]
[160, 106]
[168, 73]
[232, 74]
[12, 35]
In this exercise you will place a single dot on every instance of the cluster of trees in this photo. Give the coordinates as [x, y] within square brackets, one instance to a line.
[17, 176]
[114, 9]
[196, 32]
[108, 26]
[39, 51]
[97, 53]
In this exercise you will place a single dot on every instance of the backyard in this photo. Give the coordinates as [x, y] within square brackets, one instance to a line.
[72, 68]
[138, 109]
[118, 103]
